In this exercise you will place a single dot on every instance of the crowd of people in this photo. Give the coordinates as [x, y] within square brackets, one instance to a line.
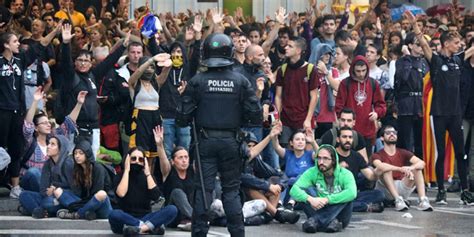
[92, 113]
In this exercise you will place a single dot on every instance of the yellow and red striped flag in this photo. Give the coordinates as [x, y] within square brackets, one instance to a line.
[429, 142]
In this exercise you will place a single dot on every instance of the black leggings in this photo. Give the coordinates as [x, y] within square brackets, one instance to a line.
[452, 124]
[11, 138]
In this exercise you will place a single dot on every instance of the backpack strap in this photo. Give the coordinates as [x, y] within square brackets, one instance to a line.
[355, 138]
[283, 69]
[333, 135]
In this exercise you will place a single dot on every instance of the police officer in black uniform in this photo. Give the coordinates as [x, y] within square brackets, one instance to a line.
[220, 101]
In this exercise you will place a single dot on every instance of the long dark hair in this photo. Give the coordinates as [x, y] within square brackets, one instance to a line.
[83, 177]
[4, 39]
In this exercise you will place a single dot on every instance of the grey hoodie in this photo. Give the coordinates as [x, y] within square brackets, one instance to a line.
[58, 174]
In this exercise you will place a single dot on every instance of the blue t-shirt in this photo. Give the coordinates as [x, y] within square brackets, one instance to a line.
[295, 166]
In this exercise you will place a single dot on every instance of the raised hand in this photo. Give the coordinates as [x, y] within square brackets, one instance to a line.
[197, 25]
[322, 6]
[410, 17]
[127, 164]
[216, 16]
[378, 25]
[374, 4]
[161, 57]
[38, 95]
[81, 97]
[280, 15]
[66, 33]
[158, 135]
[126, 40]
[309, 135]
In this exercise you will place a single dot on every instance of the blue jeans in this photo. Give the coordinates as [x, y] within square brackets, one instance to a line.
[119, 218]
[269, 154]
[101, 208]
[342, 212]
[365, 197]
[31, 180]
[30, 200]
[175, 135]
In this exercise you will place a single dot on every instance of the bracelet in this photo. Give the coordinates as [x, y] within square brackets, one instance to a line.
[147, 175]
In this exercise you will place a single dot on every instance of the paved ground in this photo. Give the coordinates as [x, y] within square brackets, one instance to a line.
[451, 220]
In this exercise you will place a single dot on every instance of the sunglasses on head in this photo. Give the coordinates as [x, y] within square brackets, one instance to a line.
[139, 158]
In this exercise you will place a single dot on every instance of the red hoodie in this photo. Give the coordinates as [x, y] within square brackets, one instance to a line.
[346, 98]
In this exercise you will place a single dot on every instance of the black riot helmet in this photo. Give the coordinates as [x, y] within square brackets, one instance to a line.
[217, 51]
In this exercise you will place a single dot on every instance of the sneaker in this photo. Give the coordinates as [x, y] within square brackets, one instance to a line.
[22, 210]
[90, 215]
[287, 216]
[267, 217]
[400, 205]
[160, 230]
[310, 226]
[424, 204]
[130, 230]
[467, 198]
[217, 208]
[441, 197]
[254, 220]
[253, 208]
[66, 214]
[39, 213]
[334, 226]
[15, 192]
[375, 207]
[185, 225]
[289, 206]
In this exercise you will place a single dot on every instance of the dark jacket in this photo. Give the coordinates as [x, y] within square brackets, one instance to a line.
[58, 174]
[100, 178]
[12, 85]
[409, 75]
[169, 95]
[88, 117]
[219, 99]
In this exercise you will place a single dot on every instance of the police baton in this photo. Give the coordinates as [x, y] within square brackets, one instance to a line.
[198, 164]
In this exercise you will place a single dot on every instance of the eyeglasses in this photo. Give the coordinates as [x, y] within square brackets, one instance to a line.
[389, 132]
[139, 158]
[323, 158]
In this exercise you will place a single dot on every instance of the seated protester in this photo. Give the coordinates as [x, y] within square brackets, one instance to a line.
[178, 178]
[267, 189]
[87, 198]
[346, 119]
[56, 174]
[297, 159]
[36, 130]
[402, 172]
[135, 191]
[367, 200]
[331, 189]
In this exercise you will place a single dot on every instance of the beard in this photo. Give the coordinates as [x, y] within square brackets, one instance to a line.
[346, 146]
